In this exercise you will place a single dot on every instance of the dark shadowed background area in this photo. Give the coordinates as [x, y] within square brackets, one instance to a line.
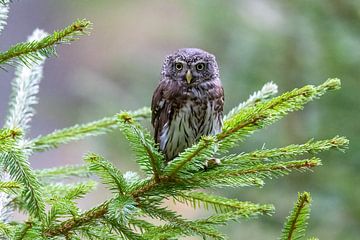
[292, 43]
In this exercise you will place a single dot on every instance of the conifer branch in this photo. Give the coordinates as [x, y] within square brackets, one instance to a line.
[16, 165]
[262, 170]
[8, 138]
[4, 11]
[67, 191]
[63, 172]
[9, 186]
[142, 143]
[267, 91]
[65, 227]
[5, 230]
[25, 87]
[296, 223]
[177, 223]
[110, 175]
[253, 118]
[195, 154]
[78, 132]
[30, 52]
[222, 204]
[102, 210]
[290, 151]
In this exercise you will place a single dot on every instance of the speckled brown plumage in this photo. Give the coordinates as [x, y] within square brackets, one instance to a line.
[188, 102]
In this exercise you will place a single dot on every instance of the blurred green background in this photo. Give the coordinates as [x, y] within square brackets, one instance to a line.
[292, 43]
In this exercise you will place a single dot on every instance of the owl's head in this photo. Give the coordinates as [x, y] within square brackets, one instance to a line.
[190, 66]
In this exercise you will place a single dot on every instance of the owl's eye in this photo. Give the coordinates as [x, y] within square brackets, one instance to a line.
[200, 66]
[178, 66]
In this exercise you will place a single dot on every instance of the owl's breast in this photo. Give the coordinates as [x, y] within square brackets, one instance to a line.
[193, 120]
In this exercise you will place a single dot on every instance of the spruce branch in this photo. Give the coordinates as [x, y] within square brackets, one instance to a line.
[5, 198]
[25, 87]
[61, 199]
[67, 191]
[97, 232]
[26, 231]
[9, 186]
[121, 209]
[262, 170]
[263, 114]
[176, 223]
[109, 174]
[296, 223]
[192, 159]
[5, 230]
[8, 137]
[267, 91]
[101, 210]
[63, 172]
[290, 151]
[4, 11]
[34, 51]
[142, 143]
[223, 205]
[68, 225]
[78, 132]
[17, 166]
[123, 231]
[173, 231]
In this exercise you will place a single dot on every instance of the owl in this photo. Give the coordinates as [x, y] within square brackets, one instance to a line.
[188, 102]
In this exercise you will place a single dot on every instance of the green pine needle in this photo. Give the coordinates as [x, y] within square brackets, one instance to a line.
[290, 151]
[63, 172]
[8, 137]
[177, 224]
[68, 191]
[30, 52]
[5, 230]
[295, 226]
[9, 187]
[109, 174]
[192, 159]
[252, 118]
[221, 175]
[143, 144]
[81, 131]
[18, 167]
[223, 205]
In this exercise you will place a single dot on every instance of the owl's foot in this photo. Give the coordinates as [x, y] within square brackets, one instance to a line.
[211, 162]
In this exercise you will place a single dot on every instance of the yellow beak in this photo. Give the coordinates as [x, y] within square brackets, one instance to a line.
[188, 76]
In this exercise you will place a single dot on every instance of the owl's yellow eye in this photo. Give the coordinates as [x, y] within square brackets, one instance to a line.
[178, 66]
[200, 66]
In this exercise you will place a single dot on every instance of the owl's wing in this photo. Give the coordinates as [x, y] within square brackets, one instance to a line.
[159, 116]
